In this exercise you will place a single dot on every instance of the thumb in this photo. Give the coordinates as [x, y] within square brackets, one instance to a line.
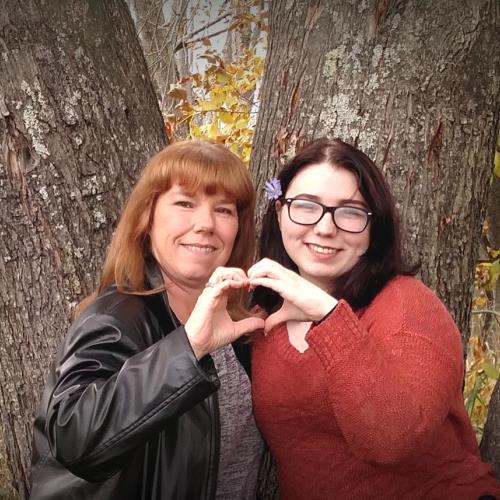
[247, 325]
[276, 318]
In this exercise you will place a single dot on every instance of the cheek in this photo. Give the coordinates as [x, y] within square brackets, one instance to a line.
[361, 244]
[288, 229]
[230, 232]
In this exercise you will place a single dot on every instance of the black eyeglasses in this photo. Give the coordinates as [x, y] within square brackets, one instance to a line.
[307, 213]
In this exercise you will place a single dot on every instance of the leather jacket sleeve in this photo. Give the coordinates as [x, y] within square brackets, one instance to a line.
[118, 383]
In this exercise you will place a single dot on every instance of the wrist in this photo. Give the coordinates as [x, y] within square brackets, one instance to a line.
[197, 349]
[326, 310]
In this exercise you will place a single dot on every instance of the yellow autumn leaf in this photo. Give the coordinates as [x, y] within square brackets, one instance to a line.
[213, 130]
[221, 77]
[227, 118]
[206, 106]
[242, 122]
[479, 302]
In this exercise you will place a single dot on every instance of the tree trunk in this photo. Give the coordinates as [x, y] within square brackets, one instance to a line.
[415, 84]
[78, 119]
[159, 39]
[490, 443]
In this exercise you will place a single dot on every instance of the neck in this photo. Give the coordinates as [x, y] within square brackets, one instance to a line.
[325, 285]
[182, 299]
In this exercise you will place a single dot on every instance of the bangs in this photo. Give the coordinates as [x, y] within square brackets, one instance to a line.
[213, 179]
[200, 166]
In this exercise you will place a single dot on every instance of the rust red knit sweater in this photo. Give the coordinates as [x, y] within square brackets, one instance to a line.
[373, 409]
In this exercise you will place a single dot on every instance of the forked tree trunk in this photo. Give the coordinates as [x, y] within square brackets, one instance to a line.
[78, 119]
[415, 84]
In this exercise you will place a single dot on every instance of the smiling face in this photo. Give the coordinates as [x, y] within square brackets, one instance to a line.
[191, 235]
[322, 252]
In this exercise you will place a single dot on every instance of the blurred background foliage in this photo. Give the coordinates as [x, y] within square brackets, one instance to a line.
[482, 365]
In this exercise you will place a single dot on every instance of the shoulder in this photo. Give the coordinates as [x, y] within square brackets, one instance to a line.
[112, 302]
[117, 315]
[406, 291]
[409, 302]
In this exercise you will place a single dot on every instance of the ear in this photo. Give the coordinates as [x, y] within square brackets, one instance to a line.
[278, 206]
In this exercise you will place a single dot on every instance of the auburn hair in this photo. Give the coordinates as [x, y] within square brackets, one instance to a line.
[197, 166]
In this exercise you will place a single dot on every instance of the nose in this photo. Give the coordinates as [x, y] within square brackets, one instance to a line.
[326, 226]
[204, 219]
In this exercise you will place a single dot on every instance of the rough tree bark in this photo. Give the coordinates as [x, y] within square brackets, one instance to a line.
[490, 443]
[159, 38]
[415, 84]
[78, 118]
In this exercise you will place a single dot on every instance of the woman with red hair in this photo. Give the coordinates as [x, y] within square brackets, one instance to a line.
[149, 397]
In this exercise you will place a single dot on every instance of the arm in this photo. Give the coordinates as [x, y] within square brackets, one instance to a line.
[394, 374]
[116, 387]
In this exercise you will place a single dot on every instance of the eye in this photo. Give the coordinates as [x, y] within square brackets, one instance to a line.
[184, 204]
[305, 205]
[226, 210]
[352, 212]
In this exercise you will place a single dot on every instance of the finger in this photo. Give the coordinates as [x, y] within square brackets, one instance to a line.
[248, 325]
[224, 273]
[269, 272]
[220, 289]
[267, 264]
[272, 283]
[275, 319]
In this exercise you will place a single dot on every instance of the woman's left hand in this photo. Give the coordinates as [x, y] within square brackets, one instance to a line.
[302, 300]
[209, 326]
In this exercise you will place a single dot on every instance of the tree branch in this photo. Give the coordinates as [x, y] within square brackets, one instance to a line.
[187, 40]
[183, 43]
[486, 311]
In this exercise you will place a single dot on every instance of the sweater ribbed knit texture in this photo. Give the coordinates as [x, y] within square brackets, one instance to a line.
[373, 409]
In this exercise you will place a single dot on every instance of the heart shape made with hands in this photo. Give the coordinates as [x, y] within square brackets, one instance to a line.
[302, 300]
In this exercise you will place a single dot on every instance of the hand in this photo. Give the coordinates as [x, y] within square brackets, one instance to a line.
[302, 300]
[209, 326]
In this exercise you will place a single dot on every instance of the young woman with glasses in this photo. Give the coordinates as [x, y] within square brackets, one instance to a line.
[357, 382]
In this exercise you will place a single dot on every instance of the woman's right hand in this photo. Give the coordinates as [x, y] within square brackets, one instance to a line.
[209, 326]
[302, 300]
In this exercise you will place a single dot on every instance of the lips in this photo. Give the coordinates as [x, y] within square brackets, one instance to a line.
[323, 250]
[198, 248]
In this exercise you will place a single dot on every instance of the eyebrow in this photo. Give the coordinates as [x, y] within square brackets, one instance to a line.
[222, 199]
[345, 201]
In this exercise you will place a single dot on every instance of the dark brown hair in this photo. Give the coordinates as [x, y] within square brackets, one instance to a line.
[382, 261]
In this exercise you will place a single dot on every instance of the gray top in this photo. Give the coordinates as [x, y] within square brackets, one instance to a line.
[241, 445]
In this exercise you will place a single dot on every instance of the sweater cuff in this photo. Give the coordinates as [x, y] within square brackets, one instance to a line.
[334, 338]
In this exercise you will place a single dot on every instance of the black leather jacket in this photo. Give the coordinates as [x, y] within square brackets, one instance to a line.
[128, 412]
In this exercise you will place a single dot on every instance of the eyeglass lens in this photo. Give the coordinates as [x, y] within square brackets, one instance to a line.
[350, 219]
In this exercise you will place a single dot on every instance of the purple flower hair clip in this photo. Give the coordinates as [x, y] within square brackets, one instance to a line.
[273, 189]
